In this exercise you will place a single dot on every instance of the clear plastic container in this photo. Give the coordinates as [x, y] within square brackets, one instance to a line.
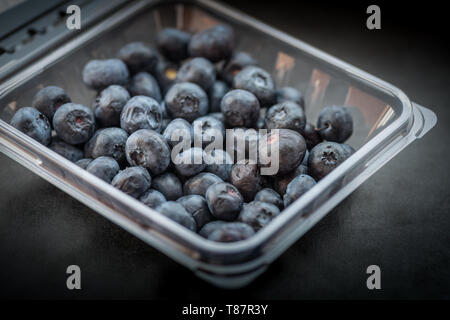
[386, 121]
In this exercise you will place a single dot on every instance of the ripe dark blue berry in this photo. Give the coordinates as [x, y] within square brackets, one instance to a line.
[144, 84]
[179, 130]
[49, 99]
[224, 201]
[335, 124]
[173, 43]
[270, 196]
[232, 232]
[246, 178]
[138, 57]
[324, 158]
[312, 136]
[238, 61]
[169, 185]
[196, 205]
[286, 115]
[109, 142]
[290, 94]
[152, 198]
[210, 227]
[200, 183]
[219, 163]
[207, 129]
[297, 187]
[240, 109]
[349, 150]
[189, 162]
[134, 181]
[34, 124]
[99, 74]
[216, 93]
[106, 168]
[83, 163]
[175, 211]
[258, 82]
[258, 214]
[166, 74]
[66, 150]
[186, 100]
[280, 182]
[148, 149]
[74, 123]
[199, 71]
[109, 104]
[215, 44]
[141, 112]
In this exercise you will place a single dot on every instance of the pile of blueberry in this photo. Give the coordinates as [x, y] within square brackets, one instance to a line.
[194, 83]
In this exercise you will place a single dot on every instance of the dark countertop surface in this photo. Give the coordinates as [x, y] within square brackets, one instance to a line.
[399, 219]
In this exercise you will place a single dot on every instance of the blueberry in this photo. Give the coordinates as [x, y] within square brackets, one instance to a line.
[199, 71]
[66, 150]
[105, 168]
[348, 150]
[34, 124]
[246, 178]
[207, 129]
[258, 214]
[83, 163]
[109, 142]
[242, 143]
[186, 100]
[49, 99]
[290, 94]
[175, 211]
[141, 112]
[138, 57]
[305, 158]
[199, 183]
[238, 61]
[281, 182]
[232, 232]
[269, 196]
[177, 130]
[261, 123]
[99, 74]
[144, 84]
[169, 185]
[215, 44]
[240, 109]
[190, 162]
[109, 104]
[324, 158]
[335, 124]
[218, 115]
[149, 149]
[219, 163]
[258, 82]
[224, 201]
[134, 181]
[196, 205]
[297, 187]
[286, 115]
[210, 227]
[152, 198]
[291, 145]
[312, 137]
[166, 74]
[173, 43]
[216, 93]
[74, 123]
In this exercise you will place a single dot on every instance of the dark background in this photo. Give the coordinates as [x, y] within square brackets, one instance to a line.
[399, 219]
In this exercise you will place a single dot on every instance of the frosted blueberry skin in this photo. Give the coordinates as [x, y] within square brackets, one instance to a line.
[286, 115]
[186, 100]
[290, 94]
[74, 123]
[297, 187]
[99, 74]
[138, 57]
[257, 81]
[83, 163]
[238, 61]
[258, 214]
[49, 99]
[144, 84]
[224, 201]
[324, 158]
[66, 150]
[134, 181]
[148, 149]
[199, 71]
[196, 205]
[240, 109]
[210, 227]
[200, 183]
[108, 105]
[178, 127]
[214, 44]
[173, 43]
[269, 196]
[109, 142]
[231, 232]
[219, 162]
[335, 124]
[169, 185]
[246, 178]
[34, 124]
[190, 162]
[141, 112]
[216, 93]
[152, 198]
[312, 136]
[280, 182]
[105, 168]
[348, 149]
[206, 129]
[166, 73]
[175, 211]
